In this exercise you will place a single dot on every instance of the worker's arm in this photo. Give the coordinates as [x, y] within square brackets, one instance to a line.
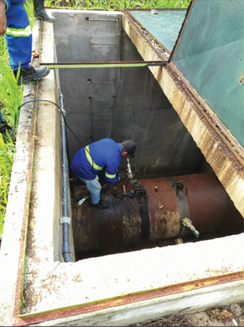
[111, 175]
[3, 20]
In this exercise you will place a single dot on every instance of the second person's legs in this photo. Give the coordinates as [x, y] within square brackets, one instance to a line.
[19, 43]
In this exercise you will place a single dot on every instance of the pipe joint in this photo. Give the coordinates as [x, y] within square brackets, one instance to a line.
[65, 220]
[66, 247]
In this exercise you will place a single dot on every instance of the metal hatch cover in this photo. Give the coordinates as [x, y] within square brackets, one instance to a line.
[209, 55]
[164, 25]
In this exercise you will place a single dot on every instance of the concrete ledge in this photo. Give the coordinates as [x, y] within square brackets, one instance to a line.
[12, 253]
[136, 280]
[157, 308]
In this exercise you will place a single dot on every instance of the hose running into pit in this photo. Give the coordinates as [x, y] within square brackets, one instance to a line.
[65, 220]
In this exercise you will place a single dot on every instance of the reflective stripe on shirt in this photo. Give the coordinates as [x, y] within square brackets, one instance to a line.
[110, 176]
[19, 32]
[91, 161]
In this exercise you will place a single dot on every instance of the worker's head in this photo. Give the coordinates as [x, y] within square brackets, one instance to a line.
[129, 147]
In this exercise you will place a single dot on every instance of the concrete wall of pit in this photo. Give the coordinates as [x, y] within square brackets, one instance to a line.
[121, 103]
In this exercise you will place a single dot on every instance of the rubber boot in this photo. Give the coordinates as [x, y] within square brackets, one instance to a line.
[102, 204]
[40, 12]
[32, 74]
[3, 128]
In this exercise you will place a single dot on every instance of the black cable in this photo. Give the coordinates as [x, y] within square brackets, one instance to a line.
[40, 100]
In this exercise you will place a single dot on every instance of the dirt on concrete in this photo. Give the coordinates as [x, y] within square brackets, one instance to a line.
[232, 315]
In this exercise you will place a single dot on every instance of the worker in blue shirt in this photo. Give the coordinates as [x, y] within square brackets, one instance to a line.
[103, 154]
[14, 23]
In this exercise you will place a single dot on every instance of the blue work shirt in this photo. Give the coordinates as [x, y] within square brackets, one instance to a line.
[88, 161]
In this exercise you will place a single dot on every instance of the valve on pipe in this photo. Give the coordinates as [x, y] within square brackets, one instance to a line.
[162, 208]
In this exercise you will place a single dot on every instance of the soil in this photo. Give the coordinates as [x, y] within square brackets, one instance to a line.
[232, 315]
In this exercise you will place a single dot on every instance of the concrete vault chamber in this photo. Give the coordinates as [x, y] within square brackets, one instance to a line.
[125, 103]
[118, 276]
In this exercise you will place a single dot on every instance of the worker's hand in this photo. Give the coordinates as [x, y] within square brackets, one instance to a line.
[3, 19]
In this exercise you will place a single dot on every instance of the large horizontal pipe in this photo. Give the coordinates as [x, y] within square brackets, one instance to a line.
[200, 198]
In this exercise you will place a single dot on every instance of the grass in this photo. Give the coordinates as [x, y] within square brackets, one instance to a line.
[11, 94]
[10, 99]
[7, 150]
[117, 4]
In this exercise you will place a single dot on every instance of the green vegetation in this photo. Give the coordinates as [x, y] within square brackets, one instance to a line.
[11, 94]
[10, 97]
[7, 150]
[10, 100]
[117, 4]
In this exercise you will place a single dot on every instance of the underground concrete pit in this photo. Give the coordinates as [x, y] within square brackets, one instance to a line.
[120, 288]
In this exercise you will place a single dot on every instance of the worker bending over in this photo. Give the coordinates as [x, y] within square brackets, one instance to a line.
[104, 154]
[14, 23]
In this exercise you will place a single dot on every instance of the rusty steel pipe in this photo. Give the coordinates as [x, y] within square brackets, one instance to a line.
[209, 208]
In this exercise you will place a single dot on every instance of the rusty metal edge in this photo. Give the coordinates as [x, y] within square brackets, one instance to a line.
[140, 32]
[128, 299]
[181, 30]
[211, 117]
[143, 28]
[21, 265]
[213, 120]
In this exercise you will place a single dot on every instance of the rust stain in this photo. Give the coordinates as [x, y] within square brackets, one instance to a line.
[241, 79]
[218, 131]
[166, 224]
[130, 298]
[18, 293]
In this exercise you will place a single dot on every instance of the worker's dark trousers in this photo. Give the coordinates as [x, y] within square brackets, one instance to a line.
[18, 36]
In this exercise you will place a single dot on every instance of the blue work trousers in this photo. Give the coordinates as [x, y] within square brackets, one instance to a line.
[18, 36]
[94, 187]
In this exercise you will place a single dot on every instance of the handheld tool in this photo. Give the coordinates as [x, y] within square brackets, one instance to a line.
[83, 200]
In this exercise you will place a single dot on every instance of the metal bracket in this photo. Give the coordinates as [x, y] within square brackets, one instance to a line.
[65, 220]
[180, 192]
[179, 187]
[141, 197]
[137, 186]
